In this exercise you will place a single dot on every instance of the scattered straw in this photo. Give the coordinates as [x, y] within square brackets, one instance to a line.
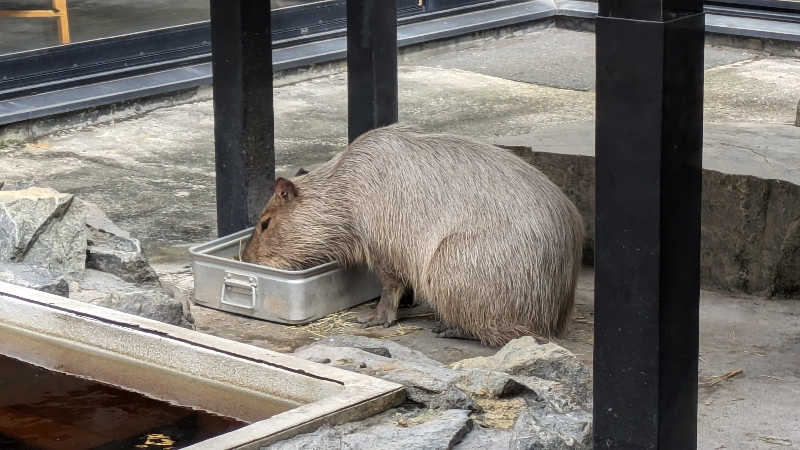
[400, 330]
[330, 325]
[776, 441]
[344, 322]
[403, 421]
[499, 413]
[713, 381]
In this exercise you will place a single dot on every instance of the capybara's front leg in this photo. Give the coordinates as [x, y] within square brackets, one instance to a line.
[386, 311]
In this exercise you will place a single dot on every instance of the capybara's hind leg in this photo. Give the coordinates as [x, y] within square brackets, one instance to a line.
[386, 311]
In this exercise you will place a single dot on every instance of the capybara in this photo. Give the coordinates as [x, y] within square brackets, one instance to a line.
[479, 234]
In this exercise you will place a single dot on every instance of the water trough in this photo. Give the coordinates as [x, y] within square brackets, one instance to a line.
[278, 395]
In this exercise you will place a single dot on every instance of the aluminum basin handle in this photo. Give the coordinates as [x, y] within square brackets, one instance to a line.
[239, 290]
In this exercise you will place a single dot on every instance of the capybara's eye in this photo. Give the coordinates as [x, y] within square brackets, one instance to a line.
[264, 224]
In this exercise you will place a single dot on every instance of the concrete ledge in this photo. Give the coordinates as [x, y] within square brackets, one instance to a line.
[751, 199]
[187, 367]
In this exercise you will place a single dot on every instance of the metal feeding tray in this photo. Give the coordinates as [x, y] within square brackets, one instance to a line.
[286, 296]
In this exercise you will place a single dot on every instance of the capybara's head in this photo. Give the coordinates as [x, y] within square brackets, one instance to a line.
[287, 235]
[268, 243]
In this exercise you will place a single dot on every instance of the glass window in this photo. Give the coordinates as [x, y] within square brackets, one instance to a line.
[54, 45]
[33, 24]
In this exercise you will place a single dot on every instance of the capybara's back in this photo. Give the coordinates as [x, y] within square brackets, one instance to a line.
[485, 238]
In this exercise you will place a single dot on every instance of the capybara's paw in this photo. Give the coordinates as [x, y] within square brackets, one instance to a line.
[440, 327]
[443, 331]
[371, 320]
[375, 320]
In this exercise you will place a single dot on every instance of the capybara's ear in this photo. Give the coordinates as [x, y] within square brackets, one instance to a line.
[300, 172]
[285, 190]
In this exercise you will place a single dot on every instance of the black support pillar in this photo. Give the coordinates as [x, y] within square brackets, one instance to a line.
[648, 148]
[371, 65]
[243, 116]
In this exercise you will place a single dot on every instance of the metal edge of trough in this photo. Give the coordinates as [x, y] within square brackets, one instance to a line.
[337, 396]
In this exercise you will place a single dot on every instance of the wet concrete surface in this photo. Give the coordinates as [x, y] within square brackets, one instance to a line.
[154, 175]
[569, 57]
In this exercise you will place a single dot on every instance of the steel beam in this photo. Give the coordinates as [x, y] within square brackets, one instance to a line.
[371, 65]
[648, 168]
[243, 116]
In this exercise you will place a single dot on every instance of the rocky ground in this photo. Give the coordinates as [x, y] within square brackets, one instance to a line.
[528, 395]
[153, 175]
[58, 243]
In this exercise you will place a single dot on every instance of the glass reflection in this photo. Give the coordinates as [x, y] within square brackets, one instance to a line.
[33, 24]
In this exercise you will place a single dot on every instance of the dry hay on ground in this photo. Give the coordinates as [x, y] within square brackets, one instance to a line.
[344, 322]
[498, 413]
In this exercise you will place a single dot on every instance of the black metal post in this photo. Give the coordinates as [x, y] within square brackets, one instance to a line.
[371, 65]
[243, 116]
[649, 149]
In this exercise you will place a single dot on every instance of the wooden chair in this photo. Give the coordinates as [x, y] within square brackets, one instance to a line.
[59, 11]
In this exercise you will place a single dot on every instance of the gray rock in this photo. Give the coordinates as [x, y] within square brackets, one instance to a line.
[750, 235]
[559, 397]
[549, 371]
[536, 429]
[38, 226]
[547, 378]
[431, 430]
[45, 228]
[486, 438]
[150, 303]
[489, 384]
[525, 356]
[430, 385]
[441, 432]
[324, 437]
[107, 290]
[427, 381]
[380, 351]
[112, 249]
[23, 214]
[533, 364]
[379, 347]
[62, 244]
[749, 231]
[34, 277]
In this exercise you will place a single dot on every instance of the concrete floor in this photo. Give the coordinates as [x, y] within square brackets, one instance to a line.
[154, 175]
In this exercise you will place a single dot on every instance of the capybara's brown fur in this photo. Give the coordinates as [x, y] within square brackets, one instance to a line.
[485, 238]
